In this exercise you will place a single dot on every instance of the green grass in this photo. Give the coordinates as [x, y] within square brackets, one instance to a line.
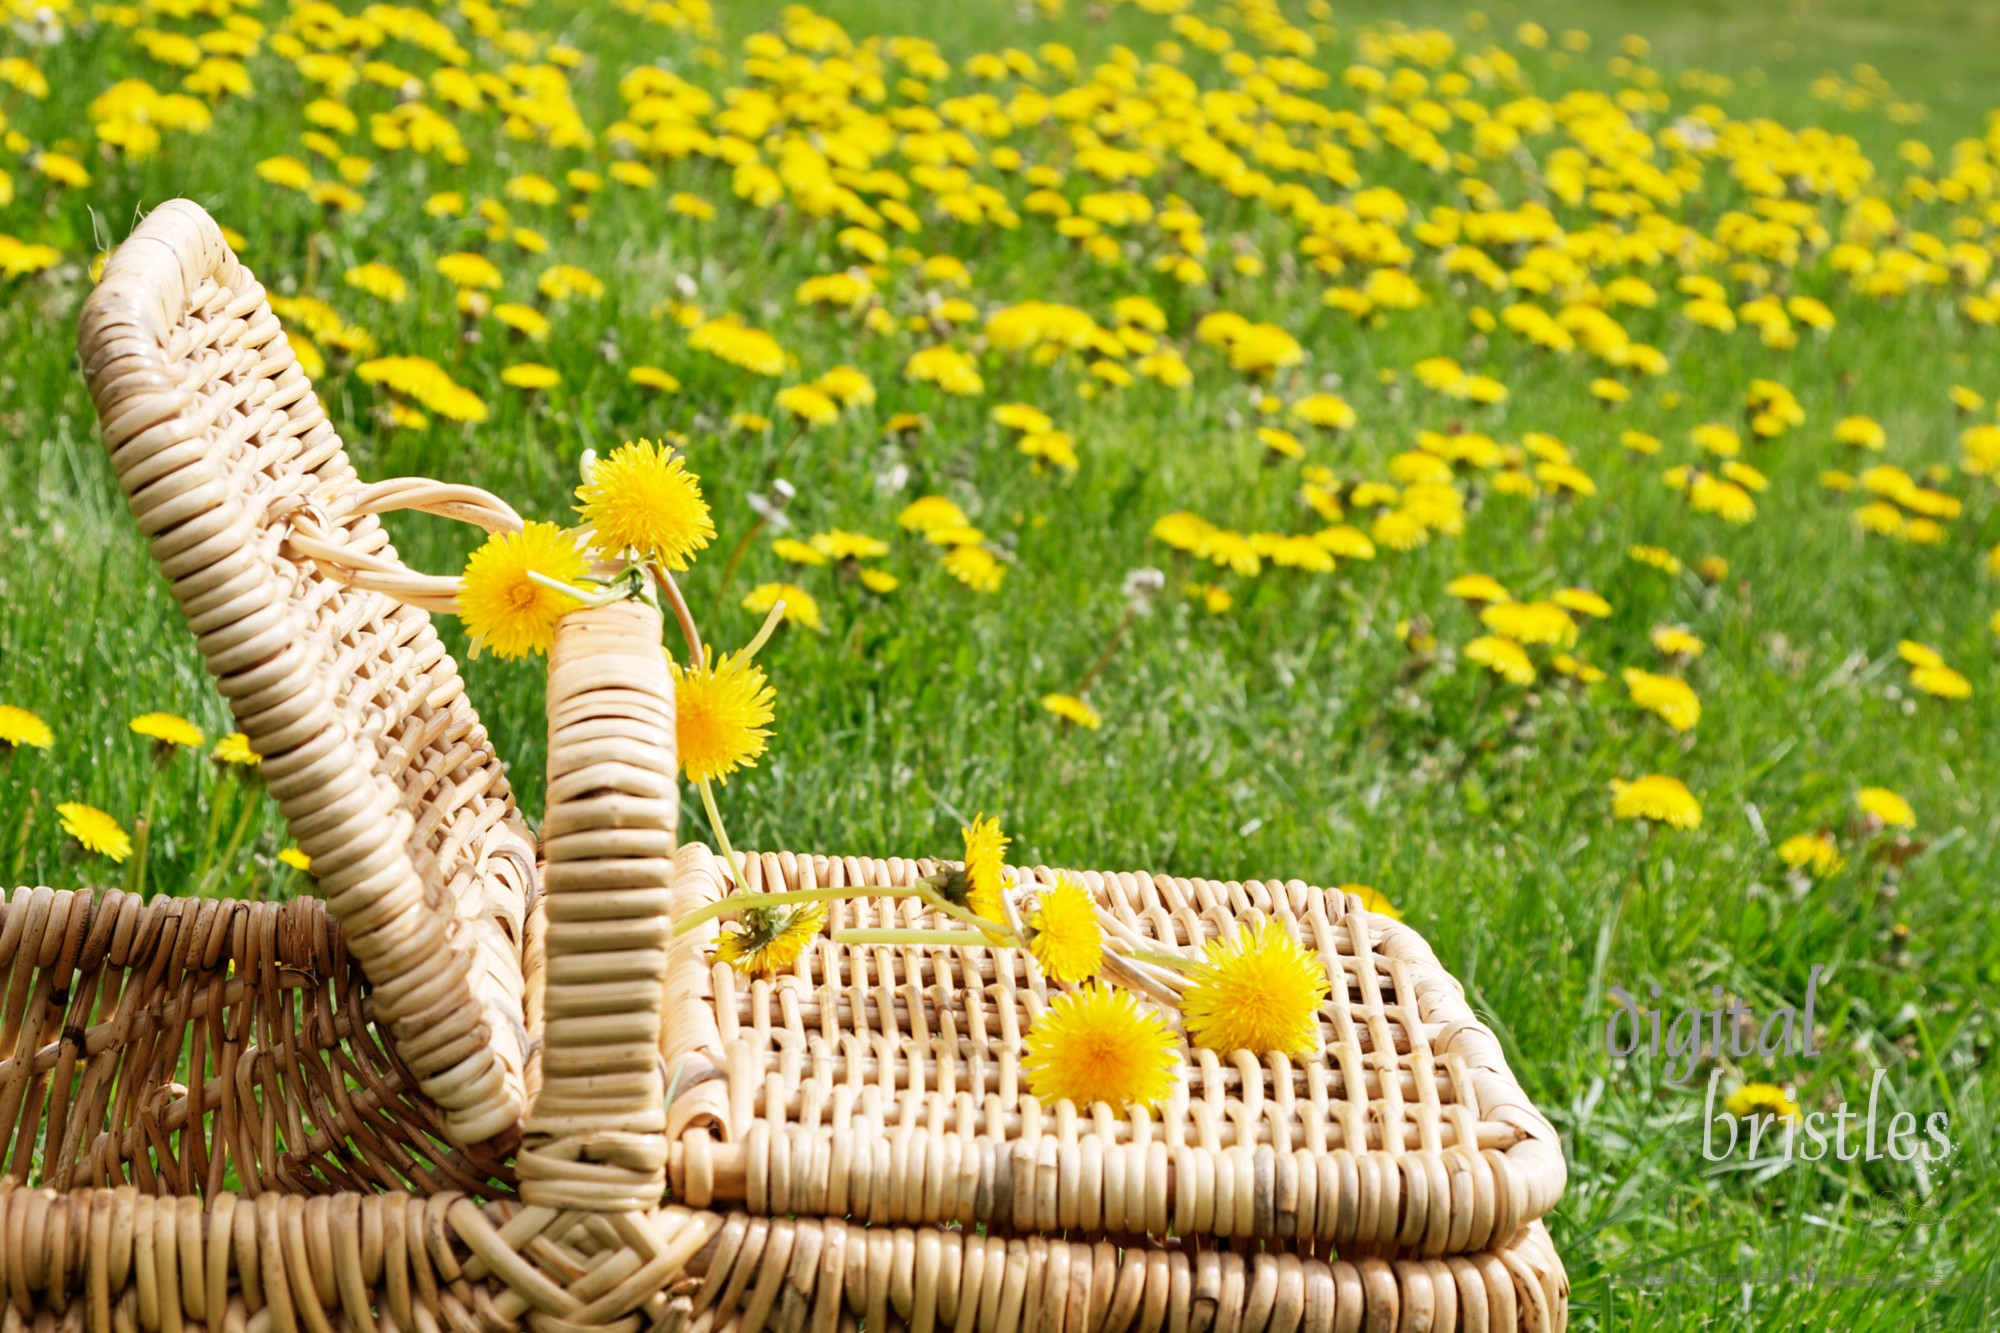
[1296, 735]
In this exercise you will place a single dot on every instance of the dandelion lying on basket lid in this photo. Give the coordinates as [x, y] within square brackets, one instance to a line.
[1109, 1031]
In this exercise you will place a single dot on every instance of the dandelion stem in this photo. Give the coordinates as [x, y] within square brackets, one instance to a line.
[750, 902]
[951, 939]
[764, 632]
[1104, 658]
[736, 868]
[143, 837]
[736, 556]
[1172, 960]
[588, 596]
[21, 837]
[951, 909]
[688, 632]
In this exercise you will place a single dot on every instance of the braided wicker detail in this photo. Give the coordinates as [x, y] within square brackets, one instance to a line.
[192, 1045]
[594, 1137]
[883, 1083]
[120, 1259]
[376, 757]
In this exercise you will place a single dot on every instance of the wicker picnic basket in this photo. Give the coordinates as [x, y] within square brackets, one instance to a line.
[476, 1086]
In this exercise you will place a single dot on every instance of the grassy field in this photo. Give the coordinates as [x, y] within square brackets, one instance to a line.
[1326, 725]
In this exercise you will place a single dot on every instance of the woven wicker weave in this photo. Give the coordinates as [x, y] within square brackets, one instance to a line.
[882, 1083]
[221, 1107]
[379, 762]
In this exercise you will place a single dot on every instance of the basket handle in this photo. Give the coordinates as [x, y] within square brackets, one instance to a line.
[595, 1137]
[372, 571]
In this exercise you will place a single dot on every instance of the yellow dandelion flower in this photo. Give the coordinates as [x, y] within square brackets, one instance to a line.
[770, 940]
[840, 544]
[1530, 622]
[1098, 1044]
[97, 831]
[652, 377]
[1063, 933]
[1503, 657]
[720, 716]
[800, 607]
[505, 610]
[643, 498]
[1668, 696]
[531, 375]
[1373, 900]
[1072, 709]
[976, 567]
[235, 749]
[1677, 642]
[21, 728]
[168, 730]
[1861, 433]
[880, 581]
[1755, 1101]
[1478, 588]
[1258, 992]
[985, 874]
[1919, 654]
[1815, 853]
[797, 552]
[1658, 557]
[1658, 798]
[1887, 806]
[1582, 601]
[296, 859]
[1941, 682]
[930, 514]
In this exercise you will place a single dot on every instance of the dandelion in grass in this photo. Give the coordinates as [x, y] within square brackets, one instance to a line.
[839, 544]
[1656, 799]
[1530, 622]
[234, 750]
[297, 860]
[1658, 557]
[1941, 681]
[1260, 991]
[1885, 806]
[166, 730]
[721, 712]
[531, 375]
[1098, 1044]
[1670, 697]
[1503, 657]
[643, 498]
[95, 830]
[770, 940]
[800, 607]
[1072, 709]
[1373, 900]
[1063, 933]
[504, 609]
[21, 729]
[1674, 641]
[1755, 1101]
[1478, 588]
[1583, 602]
[1815, 853]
